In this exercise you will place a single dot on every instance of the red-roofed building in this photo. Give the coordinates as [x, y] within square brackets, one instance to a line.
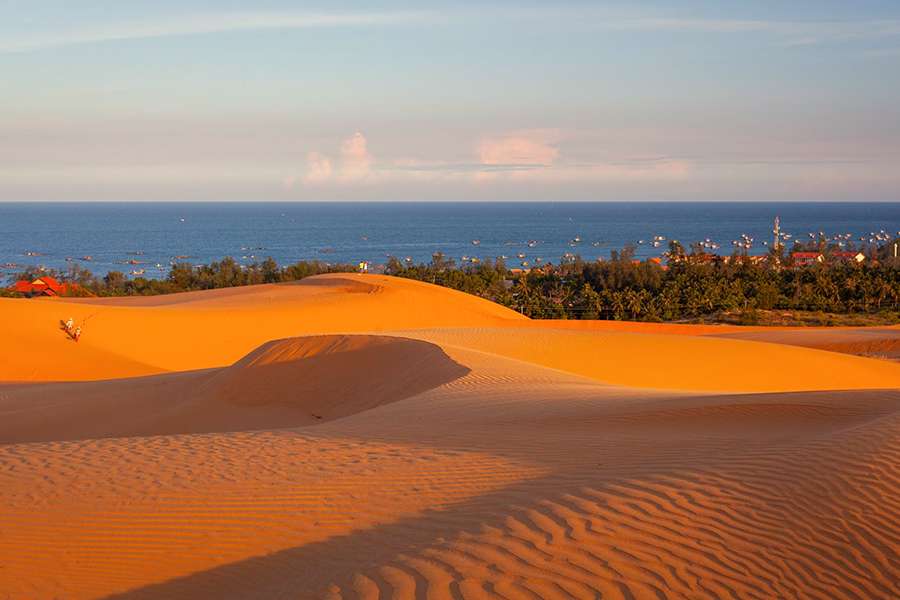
[802, 259]
[43, 286]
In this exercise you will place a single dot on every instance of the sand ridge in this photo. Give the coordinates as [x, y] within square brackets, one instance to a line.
[462, 452]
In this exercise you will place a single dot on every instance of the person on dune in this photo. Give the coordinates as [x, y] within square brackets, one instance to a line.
[77, 333]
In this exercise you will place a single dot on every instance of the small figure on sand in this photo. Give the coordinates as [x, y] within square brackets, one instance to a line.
[69, 327]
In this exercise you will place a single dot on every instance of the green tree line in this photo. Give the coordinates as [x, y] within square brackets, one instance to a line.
[691, 286]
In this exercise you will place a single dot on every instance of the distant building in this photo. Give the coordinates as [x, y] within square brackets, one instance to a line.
[753, 259]
[803, 259]
[848, 257]
[757, 259]
[43, 286]
[703, 258]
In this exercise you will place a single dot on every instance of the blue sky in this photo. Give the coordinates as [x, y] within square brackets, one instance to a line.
[284, 100]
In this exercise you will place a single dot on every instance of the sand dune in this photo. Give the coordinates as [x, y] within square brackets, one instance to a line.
[462, 452]
[138, 336]
[284, 383]
[676, 362]
[877, 342]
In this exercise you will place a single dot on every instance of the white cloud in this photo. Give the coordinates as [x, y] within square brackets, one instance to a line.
[531, 148]
[198, 24]
[787, 32]
[318, 168]
[356, 162]
[534, 155]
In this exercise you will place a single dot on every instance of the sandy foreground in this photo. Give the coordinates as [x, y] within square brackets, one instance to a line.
[367, 437]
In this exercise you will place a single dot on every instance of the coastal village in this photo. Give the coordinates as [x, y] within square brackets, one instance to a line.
[818, 249]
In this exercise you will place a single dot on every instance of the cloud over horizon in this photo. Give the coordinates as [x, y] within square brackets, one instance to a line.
[526, 148]
[517, 156]
[355, 164]
[203, 24]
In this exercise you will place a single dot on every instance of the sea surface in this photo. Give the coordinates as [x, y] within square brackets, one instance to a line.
[150, 234]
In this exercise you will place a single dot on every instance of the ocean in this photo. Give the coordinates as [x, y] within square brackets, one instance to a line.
[152, 234]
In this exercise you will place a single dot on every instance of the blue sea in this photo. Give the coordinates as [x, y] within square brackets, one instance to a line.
[152, 234]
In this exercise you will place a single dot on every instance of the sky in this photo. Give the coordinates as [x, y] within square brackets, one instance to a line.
[277, 100]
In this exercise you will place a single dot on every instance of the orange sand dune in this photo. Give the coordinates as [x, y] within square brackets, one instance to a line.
[677, 362]
[190, 331]
[285, 383]
[881, 342]
[462, 452]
